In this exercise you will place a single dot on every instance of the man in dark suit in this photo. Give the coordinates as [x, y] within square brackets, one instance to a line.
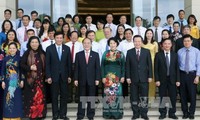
[87, 76]
[166, 72]
[179, 43]
[139, 74]
[58, 74]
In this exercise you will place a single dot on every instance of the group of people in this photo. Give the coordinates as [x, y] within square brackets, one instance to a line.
[41, 61]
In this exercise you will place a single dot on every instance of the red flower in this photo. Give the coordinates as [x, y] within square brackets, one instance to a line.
[118, 55]
[108, 55]
[45, 39]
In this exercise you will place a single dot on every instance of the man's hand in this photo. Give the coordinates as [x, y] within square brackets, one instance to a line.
[104, 80]
[150, 80]
[76, 83]
[69, 80]
[3, 85]
[128, 81]
[158, 83]
[49, 80]
[177, 84]
[96, 82]
[21, 84]
[196, 80]
[122, 80]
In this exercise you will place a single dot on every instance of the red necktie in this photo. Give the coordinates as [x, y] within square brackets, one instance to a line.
[25, 35]
[72, 53]
[138, 55]
[87, 57]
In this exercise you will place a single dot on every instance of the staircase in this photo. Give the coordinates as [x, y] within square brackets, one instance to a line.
[153, 111]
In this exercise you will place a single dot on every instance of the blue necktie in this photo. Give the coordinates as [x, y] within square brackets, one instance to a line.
[107, 47]
[20, 23]
[59, 53]
[187, 67]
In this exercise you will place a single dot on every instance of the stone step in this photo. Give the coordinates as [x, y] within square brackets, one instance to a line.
[125, 118]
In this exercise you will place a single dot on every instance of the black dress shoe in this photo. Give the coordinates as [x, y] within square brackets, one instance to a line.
[145, 117]
[185, 116]
[162, 117]
[64, 118]
[173, 117]
[191, 116]
[78, 119]
[55, 117]
[135, 117]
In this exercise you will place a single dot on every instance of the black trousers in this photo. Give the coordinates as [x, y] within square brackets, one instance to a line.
[188, 92]
[167, 89]
[1, 102]
[71, 86]
[139, 98]
[59, 88]
[86, 95]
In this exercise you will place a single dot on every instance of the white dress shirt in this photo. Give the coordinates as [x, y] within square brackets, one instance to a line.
[103, 44]
[31, 23]
[113, 27]
[23, 48]
[142, 31]
[124, 46]
[46, 44]
[91, 27]
[20, 33]
[167, 27]
[77, 48]
[159, 31]
[17, 22]
[127, 26]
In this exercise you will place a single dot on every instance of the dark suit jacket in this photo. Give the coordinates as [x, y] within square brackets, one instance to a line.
[160, 67]
[139, 71]
[179, 44]
[87, 73]
[55, 67]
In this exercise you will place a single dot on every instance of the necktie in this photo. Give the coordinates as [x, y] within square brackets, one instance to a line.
[107, 47]
[138, 55]
[25, 34]
[51, 42]
[87, 57]
[170, 29]
[156, 34]
[37, 30]
[187, 61]
[89, 27]
[72, 53]
[181, 28]
[168, 64]
[20, 23]
[59, 53]
[139, 33]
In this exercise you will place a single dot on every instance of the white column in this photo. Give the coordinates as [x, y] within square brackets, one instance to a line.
[192, 7]
[8, 4]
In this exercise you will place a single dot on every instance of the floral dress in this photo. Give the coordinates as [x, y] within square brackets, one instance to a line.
[12, 100]
[113, 70]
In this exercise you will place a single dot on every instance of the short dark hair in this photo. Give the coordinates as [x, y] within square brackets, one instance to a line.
[109, 14]
[26, 16]
[30, 30]
[58, 33]
[112, 39]
[51, 29]
[163, 40]
[38, 19]
[192, 16]
[138, 17]
[21, 10]
[73, 32]
[90, 31]
[170, 16]
[68, 16]
[88, 15]
[156, 17]
[187, 36]
[7, 10]
[176, 23]
[128, 29]
[186, 26]
[34, 12]
[137, 36]
[181, 11]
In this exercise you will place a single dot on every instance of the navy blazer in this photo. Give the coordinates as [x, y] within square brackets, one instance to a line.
[56, 67]
[139, 71]
[87, 74]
